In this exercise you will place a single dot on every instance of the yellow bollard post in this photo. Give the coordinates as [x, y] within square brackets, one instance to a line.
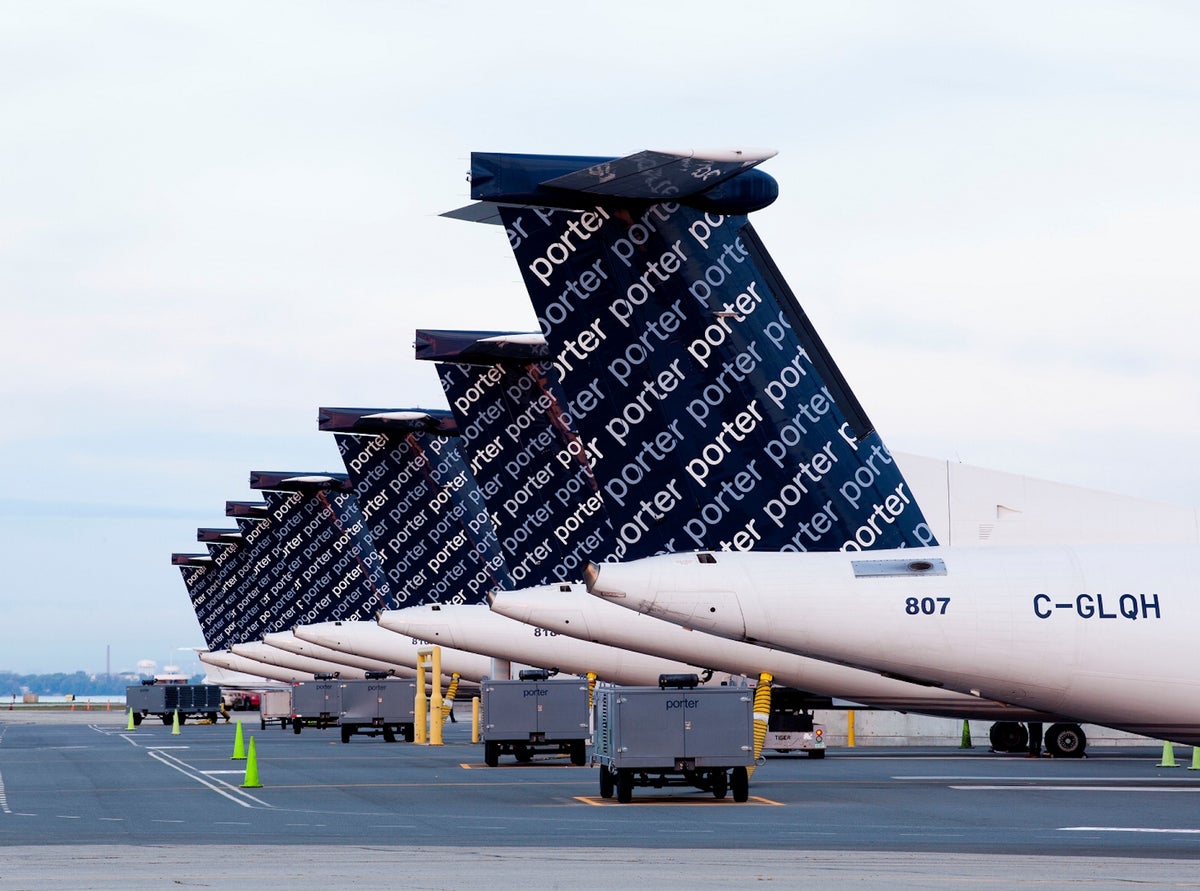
[435, 703]
[419, 719]
[239, 747]
[850, 729]
[251, 779]
[131, 725]
[175, 724]
[1168, 755]
[1195, 758]
[474, 719]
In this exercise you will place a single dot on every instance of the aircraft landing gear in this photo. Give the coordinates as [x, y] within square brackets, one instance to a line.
[1066, 741]
[1063, 740]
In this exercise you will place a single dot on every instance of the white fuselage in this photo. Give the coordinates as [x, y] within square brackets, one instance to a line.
[227, 660]
[571, 611]
[474, 627]
[372, 641]
[1102, 634]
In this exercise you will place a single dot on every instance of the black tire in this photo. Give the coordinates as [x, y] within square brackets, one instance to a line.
[739, 783]
[720, 784]
[624, 785]
[523, 754]
[408, 732]
[296, 725]
[389, 735]
[491, 754]
[182, 720]
[263, 723]
[1008, 736]
[166, 719]
[346, 732]
[816, 753]
[212, 717]
[1066, 741]
[137, 720]
[578, 753]
[606, 782]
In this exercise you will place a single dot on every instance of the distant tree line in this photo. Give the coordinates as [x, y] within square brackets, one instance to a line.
[80, 683]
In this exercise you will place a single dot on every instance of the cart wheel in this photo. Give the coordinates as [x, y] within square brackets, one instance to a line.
[578, 753]
[389, 735]
[166, 719]
[408, 732]
[263, 722]
[523, 755]
[739, 781]
[624, 785]
[606, 782]
[137, 720]
[345, 734]
[491, 754]
[816, 753]
[295, 726]
[720, 784]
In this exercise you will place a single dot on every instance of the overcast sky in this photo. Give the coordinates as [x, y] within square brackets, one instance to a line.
[216, 217]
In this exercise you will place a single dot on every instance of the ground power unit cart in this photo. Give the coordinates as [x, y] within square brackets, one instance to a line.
[675, 734]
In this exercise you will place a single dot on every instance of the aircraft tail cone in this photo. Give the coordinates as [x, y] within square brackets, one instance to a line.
[1195, 758]
[966, 736]
[129, 724]
[239, 747]
[762, 716]
[1168, 755]
[251, 780]
[175, 724]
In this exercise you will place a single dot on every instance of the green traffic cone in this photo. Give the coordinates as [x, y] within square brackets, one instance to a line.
[130, 725]
[1195, 758]
[966, 736]
[239, 748]
[251, 780]
[1168, 756]
[175, 724]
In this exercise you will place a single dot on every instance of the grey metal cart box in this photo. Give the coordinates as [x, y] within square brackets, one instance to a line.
[378, 706]
[190, 700]
[317, 703]
[534, 714]
[275, 705]
[676, 734]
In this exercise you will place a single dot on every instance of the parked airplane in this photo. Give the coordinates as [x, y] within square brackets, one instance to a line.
[1101, 634]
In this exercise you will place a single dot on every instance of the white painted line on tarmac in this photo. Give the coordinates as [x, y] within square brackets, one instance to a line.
[1127, 829]
[1033, 788]
[976, 778]
[221, 788]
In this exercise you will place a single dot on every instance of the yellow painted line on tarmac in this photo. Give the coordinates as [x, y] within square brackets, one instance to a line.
[597, 801]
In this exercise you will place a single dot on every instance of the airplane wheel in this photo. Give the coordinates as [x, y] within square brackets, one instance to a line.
[1066, 741]
[720, 784]
[624, 785]
[491, 754]
[1008, 736]
[578, 753]
[739, 781]
[606, 782]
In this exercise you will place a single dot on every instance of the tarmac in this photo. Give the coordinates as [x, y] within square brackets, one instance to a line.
[86, 803]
